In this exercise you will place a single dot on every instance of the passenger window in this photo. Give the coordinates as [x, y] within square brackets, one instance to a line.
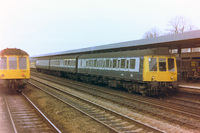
[65, 62]
[80, 63]
[127, 64]
[3, 63]
[132, 63]
[83, 63]
[115, 63]
[90, 63]
[73, 63]
[162, 64]
[57, 62]
[101, 63]
[107, 63]
[152, 64]
[87, 64]
[111, 63]
[118, 64]
[104, 63]
[171, 64]
[70, 62]
[12, 62]
[123, 63]
[98, 63]
[95, 63]
[22, 63]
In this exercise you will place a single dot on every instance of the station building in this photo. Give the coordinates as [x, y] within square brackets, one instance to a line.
[186, 47]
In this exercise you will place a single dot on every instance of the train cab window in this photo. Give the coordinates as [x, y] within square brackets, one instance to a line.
[152, 64]
[114, 63]
[132, 63]
[162, 64]
[123, 63]
[3, 63]
[22, 63]
[12, 62]
[171, 64]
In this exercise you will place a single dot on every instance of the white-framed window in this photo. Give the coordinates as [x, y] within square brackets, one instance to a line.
[124, 64]
[134, 64]
[82, 63]
[69, 63]
[42, 62]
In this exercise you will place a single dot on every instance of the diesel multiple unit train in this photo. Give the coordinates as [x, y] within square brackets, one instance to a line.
[149, 71]
[14, 68]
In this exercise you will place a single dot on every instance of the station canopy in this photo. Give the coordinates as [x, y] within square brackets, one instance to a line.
[174, 41]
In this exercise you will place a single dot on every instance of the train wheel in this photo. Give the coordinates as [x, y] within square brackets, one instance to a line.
[130, 90]
[144, 92]
[129, 87]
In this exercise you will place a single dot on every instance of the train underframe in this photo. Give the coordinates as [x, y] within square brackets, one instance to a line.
[145, 88]
[14, 84]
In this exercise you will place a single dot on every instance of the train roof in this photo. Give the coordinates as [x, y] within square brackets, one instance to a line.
[12, 51]
[121, 54]
[186, 39]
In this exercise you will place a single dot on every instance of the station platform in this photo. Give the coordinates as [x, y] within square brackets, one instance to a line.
[189, 87]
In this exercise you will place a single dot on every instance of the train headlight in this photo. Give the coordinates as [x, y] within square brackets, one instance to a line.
[152, 78]
[172, 78]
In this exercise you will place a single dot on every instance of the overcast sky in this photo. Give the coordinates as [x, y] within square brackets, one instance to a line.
[47, 26]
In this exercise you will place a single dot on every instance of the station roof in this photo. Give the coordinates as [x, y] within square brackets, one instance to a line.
[181, 40]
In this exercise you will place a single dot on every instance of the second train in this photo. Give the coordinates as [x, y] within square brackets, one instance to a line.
[149, 72]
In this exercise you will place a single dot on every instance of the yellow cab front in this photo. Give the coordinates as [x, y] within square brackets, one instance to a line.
[160, 69]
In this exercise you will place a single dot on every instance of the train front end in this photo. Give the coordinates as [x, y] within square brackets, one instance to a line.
[160, 72]
[14, 69]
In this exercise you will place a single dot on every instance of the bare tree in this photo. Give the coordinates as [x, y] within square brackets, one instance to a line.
[154, 32]
[180, 24]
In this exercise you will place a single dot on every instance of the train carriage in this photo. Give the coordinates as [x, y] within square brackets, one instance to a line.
[42, 63]
[58, 65]
[14, 68]
[122, 65]
[150, 71]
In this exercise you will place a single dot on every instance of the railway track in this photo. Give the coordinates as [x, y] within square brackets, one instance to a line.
[195, 105]
[19, 114]
[113, 120]
[186, 113]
